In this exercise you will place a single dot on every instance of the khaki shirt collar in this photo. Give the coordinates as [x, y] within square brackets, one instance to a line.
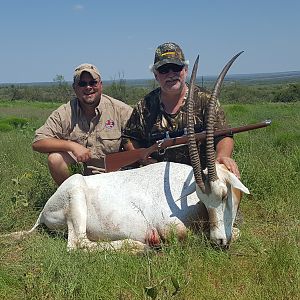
[98, 109]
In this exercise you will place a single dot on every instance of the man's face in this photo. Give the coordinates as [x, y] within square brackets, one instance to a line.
[88, 90]
[171, 77]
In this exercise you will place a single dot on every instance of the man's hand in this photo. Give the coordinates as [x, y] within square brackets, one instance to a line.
[223, 155]
[81, 153]
[230, 165]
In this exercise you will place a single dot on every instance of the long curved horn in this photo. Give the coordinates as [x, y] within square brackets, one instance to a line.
[193, 149]
[210, 152]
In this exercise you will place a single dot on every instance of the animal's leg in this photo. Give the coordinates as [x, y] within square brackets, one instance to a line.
[72, 239]
[129, 245]
[77, 220]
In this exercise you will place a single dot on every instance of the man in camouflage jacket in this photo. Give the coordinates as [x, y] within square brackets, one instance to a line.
[164, 110]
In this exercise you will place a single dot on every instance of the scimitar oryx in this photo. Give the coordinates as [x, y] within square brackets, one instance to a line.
[139, 207]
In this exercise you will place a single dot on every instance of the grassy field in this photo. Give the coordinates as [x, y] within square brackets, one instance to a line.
[263, 264]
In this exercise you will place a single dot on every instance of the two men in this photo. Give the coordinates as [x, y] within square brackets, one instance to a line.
[90, 126]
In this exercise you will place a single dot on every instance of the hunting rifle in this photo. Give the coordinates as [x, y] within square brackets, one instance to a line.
[115, 161]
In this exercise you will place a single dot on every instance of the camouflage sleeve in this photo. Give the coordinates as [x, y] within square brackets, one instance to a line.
[220, 120]
[134, 128]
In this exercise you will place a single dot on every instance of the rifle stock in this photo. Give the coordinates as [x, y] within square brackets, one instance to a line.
[115, 161]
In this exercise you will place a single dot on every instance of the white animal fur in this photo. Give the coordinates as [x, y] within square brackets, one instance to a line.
[126, 207]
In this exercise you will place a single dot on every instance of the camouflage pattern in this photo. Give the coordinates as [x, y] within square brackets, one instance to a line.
[149, 120]
[168, 53]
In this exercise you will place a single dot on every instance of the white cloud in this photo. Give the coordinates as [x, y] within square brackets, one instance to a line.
[78, 7]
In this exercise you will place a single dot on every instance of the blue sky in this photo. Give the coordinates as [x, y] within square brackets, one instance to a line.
[42, 39]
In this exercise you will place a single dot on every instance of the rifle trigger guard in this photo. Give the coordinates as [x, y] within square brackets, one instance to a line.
[160, 151]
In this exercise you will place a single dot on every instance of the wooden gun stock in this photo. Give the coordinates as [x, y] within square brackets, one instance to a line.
[115, 161]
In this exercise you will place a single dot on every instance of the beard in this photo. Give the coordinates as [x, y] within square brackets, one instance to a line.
[92, 99]
[173, 84]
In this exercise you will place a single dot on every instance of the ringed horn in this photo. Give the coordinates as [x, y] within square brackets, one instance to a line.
[193, 149]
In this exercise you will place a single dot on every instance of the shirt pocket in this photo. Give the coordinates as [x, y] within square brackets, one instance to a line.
[78, 137]
[108, 141]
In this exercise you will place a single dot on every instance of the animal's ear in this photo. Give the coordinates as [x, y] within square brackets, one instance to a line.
[236, 183]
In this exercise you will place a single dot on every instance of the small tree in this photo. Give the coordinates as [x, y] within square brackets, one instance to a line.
[60, 79]
[63, 90]
[118, 89]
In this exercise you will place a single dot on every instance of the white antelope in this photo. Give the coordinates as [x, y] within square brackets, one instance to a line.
[140, 207]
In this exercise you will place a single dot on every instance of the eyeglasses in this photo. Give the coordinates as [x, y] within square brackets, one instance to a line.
[85, 83]
[164, 69]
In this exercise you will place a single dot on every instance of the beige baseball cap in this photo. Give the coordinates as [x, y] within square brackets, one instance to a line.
[86, 68]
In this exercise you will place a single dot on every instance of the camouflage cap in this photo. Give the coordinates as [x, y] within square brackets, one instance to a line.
[168, 53]
[86, 68]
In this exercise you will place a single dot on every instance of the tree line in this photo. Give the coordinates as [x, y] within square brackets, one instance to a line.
[233, 92]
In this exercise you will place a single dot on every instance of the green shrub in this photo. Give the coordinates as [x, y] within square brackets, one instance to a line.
[128, 94]
[238, 93]
[5, 126]
[9, 123]
[289, 93]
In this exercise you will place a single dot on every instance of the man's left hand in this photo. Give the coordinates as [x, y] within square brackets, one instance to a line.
[230, 165]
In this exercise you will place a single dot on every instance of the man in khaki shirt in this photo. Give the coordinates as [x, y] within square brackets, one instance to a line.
[84, 129]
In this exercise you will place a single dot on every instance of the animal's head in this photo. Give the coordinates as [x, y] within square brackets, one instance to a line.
[222, 203]
[219, 189]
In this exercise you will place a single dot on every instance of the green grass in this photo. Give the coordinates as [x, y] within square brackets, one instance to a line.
[263, 264]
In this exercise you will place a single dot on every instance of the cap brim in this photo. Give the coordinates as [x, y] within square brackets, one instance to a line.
[94, 74]
[168, 61]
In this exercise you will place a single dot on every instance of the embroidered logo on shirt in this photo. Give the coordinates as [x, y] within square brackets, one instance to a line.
[109, 124]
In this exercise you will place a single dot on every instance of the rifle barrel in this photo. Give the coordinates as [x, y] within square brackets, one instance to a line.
[115, 161]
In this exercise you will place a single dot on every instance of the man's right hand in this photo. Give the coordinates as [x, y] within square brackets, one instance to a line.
[78, 152]
[81, 153]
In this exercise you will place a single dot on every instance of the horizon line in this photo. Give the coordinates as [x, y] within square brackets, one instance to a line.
[199, 76]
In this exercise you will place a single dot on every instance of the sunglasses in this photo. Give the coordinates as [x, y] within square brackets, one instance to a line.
[164, 69]
[85, 83]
